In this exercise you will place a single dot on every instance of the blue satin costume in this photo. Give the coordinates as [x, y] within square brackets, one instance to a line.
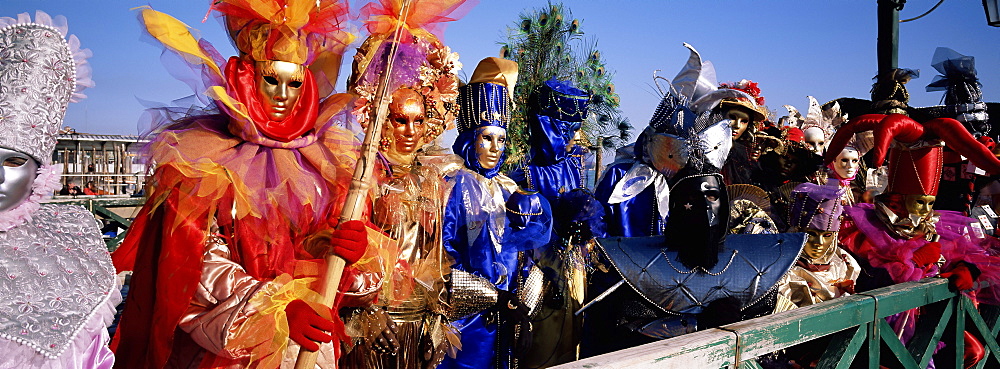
[556, 112]
[635, 217]
[471, 210]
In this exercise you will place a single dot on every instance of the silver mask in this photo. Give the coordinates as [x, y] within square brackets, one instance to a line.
[17, 175]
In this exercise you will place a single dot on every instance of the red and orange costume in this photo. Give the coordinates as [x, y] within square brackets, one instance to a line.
[222, 250]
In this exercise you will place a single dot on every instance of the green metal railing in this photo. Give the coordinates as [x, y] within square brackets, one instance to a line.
[855, 326]
[102, 209]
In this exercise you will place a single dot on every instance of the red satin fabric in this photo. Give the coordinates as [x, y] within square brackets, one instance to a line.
[959, 139]
[894, 127]
[168, 264]
[165, 248]
[240, 81]
[915, 172]
[846, 132]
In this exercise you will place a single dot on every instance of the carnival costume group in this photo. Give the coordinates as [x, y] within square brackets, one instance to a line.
[277, 194]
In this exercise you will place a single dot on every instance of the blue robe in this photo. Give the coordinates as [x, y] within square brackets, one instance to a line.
[474, 221]
[635, 217]
[553, 179]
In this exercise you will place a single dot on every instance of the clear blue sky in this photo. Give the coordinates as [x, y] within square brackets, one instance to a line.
[793, 48]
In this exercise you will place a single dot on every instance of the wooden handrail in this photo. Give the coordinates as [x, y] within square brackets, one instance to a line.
[848, 317]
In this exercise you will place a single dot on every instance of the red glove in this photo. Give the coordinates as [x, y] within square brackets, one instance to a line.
[307, 327]
[846, 286]
[927, 254]
[961, 277]
[350, 241]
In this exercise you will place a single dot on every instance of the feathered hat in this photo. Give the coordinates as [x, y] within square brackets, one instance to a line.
[754, 104]
[684, 130]
[420, 60]
[294, 31]
[42, 70]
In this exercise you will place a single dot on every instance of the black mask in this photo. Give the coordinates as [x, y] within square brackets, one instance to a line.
[699, 219]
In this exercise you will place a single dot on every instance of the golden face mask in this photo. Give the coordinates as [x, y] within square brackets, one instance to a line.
[490, 144]
[739, 120]
[279, 85]
[820, 245]
[920, 205]
[406, 122]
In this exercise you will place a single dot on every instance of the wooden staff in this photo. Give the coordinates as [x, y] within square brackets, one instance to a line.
[360, 184]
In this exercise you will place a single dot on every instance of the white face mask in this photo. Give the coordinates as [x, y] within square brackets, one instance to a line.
[490, 144]
[17, 176]
[815, 139]
[847, 163]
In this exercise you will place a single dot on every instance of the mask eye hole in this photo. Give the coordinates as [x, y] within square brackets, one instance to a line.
[271, 80]
[14, 162]
[295, 84]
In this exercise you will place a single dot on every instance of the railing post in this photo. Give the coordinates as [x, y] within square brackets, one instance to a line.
[959, 339]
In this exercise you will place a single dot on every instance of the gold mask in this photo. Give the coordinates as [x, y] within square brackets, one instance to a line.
[739, 120]
[279, 85]
[406, 126]
[490, 144]
[820, 245]
[920, 205]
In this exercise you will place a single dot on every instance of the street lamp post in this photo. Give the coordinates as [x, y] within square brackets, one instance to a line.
[888, 34]
[992, 8]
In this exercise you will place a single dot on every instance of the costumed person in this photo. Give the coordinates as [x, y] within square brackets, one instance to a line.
[407, 325]
[842, 173]
[635, 189]
[786, 161]
[963, 101]
[555, 169]
[60, 290]
[901, 237]
[820, 124]
[243, 203]
[690, 278]
[823, 270]
[747, 116]
[818, 128]
[486, 310]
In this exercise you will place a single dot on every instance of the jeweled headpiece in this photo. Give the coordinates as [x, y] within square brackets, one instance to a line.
[561, 100]
[816, 207]
[557, 110]
[41, 70]
[963, 96]
[684, 129]
[486, 100]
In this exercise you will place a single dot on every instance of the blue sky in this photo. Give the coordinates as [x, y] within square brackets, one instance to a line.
[792, 48]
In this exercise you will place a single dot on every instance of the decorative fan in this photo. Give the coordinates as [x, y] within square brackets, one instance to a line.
[749, 192]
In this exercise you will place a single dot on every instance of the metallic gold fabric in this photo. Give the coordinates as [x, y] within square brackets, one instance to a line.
[496, 70]
[804, 287]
